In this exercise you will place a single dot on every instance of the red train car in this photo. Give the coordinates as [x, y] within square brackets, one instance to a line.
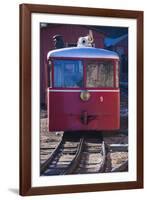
[83, 92]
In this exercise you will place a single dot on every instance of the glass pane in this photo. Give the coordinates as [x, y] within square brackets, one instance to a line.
[100, 74]
[68, 73]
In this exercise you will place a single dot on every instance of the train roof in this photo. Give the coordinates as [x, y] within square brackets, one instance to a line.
[82, 52]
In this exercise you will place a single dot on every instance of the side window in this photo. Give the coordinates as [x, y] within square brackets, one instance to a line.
[100, 74]
[117, 74]
[49, 73]
[68, 73]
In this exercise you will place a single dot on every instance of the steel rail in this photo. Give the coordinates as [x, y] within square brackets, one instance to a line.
[76, 159]
[50, 159]
[103, 163]
[123, 167]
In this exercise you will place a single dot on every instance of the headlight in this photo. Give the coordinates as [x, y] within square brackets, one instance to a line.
[85, 95]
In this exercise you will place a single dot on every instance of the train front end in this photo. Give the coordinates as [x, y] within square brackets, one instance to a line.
[83, 92]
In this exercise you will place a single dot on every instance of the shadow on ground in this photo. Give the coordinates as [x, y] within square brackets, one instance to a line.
[14, 190]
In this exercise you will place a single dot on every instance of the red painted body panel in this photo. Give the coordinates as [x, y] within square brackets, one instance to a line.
[66, 109]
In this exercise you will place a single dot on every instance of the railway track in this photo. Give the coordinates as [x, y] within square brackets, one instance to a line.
[62, 159]
[93, 157]
[76, 155]
[80, 154]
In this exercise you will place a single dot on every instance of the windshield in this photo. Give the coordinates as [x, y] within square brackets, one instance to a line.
[68, 73]
[99, 74]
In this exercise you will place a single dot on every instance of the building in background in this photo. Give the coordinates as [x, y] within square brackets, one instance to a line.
[120, 45]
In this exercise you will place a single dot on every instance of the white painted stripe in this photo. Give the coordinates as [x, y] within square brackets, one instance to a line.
[53, 90]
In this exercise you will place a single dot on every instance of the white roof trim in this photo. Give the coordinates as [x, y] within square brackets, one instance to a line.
[85, 52]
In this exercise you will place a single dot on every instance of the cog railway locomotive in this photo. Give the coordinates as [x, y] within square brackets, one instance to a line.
[83, 92]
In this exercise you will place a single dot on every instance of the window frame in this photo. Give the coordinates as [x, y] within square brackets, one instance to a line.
[117, 73]
[49, 73]
[101, 60]
[68, 59]
[85, 61]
